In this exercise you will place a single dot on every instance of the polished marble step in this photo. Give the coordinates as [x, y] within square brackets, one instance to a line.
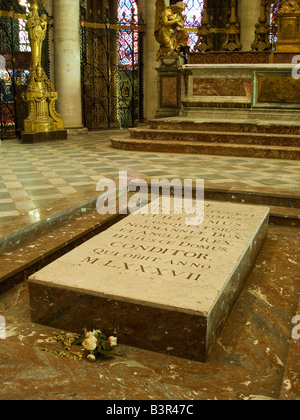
[243, 126]
[180, 135]
[214, 148]
[192, 110]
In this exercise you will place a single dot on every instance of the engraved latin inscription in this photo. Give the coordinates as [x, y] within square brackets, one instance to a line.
[153, 279]
[164, 246]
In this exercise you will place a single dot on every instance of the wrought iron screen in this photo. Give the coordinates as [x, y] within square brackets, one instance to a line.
[112, 68]
[15, 59]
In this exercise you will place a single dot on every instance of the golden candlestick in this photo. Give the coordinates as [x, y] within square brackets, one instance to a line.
[232, 41]
[262, 30]
[204, 43]
[40, 95]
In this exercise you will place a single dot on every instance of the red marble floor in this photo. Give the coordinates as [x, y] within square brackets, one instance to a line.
[255, 357]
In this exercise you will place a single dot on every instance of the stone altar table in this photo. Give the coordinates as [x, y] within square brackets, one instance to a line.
[234, 91]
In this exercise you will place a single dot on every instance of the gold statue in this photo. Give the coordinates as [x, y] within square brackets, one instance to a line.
[169, 28]
[40, 94]
[289, 6]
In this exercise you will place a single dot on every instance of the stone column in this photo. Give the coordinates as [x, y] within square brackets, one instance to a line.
[67, 62]
[147, 7]
[249, 13]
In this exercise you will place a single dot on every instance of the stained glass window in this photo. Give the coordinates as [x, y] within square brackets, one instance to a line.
[273, 25]
[24, 43]
[193, 15]
[125, 10]
[128, 38]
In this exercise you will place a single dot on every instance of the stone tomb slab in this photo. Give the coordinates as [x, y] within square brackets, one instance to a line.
[153, 281]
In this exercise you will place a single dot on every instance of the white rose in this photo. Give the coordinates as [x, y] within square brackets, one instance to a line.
[113, 341]
[90, 343]
[91, 358]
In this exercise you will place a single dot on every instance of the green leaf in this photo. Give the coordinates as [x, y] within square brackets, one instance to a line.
[109, 353]
[79, 340]
[105, 346]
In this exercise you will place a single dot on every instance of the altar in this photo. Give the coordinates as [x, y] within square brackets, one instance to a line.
[228, 109]
[223, 98]
[258, 92]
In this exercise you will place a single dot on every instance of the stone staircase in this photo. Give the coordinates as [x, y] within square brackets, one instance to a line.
[269, 140]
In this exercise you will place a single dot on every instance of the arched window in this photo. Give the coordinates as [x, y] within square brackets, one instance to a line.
[128, 39]
[125, 10]
[193, 15]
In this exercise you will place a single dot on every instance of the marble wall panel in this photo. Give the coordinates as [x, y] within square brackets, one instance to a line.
[222, 87]
[169, 91]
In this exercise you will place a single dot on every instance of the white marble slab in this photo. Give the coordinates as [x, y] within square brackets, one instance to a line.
[159, 260]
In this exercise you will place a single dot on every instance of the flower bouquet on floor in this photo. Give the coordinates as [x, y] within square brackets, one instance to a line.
[90, 345]
[97, 344]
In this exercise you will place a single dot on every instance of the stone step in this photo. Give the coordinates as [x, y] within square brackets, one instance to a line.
[289, 140]
[206, 148]
[279, 116]
[224, 126]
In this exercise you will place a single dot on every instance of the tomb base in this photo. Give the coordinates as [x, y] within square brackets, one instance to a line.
[153, 281]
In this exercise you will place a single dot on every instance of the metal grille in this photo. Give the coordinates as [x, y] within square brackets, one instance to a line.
[112, 70]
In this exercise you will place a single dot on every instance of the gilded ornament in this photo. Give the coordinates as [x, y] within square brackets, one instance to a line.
[262, 31]
[40, 95]
[288, 22]
[232, 40]
[204, 43]
[278, 89]
[169, 28]
[289, 6]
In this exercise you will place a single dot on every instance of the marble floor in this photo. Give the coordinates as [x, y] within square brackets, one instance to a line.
[34, 175]
[255, 356]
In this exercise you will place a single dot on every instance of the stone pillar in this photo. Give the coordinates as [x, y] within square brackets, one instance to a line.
[67, 62]
[249, 13]
[147, 7]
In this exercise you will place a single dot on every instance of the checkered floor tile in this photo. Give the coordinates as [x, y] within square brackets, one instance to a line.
[34, 175]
